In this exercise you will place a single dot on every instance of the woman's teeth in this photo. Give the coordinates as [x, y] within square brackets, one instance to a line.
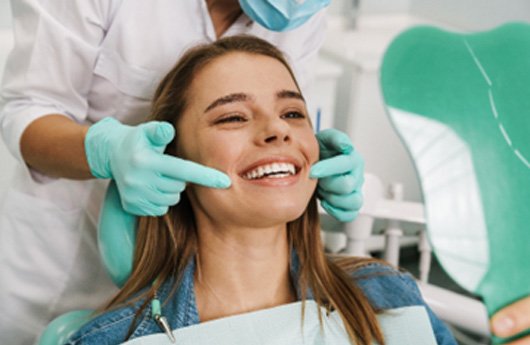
[274, 170]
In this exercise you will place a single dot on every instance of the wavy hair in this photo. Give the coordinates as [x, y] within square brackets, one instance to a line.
[165, 244]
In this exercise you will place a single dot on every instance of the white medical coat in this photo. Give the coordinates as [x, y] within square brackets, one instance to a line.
[88, 59]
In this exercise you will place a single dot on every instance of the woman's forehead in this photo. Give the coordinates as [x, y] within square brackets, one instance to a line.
[244, 66]
[234, 71]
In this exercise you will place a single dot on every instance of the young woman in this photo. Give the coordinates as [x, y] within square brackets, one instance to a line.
[236, 107]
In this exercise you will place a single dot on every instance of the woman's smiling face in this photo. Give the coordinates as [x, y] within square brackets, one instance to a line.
[246, 117]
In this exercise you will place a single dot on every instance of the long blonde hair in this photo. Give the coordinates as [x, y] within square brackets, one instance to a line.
[165, 244]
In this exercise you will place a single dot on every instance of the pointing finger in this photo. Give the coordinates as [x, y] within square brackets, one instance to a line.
[192, 172]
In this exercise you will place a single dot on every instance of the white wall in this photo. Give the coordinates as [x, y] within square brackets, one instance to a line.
[472, 14]
[370, 6]
[384, 6]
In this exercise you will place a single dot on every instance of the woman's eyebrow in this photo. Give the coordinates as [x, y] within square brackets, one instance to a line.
[243, 97]
[233, 97]
[290, 94]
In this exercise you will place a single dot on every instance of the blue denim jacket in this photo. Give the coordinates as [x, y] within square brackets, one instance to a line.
[385, 287]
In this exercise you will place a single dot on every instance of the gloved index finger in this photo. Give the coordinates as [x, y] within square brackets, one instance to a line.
[332, 166]
[332, 141]
[189, 171]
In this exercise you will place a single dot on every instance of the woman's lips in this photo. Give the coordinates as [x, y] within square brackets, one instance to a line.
[271, 181]
[272, 171]
[270, 161]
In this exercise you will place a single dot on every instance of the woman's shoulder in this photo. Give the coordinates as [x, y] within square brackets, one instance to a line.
[111, 327]
[387, 287]
[129, 320]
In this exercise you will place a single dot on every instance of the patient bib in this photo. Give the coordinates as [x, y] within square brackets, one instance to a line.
[283, 325]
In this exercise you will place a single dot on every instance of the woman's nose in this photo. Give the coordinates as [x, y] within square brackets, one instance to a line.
[275, 131]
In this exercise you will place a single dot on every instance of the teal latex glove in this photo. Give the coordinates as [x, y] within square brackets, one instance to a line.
[64, 326]
[341, 175]
[148, 180]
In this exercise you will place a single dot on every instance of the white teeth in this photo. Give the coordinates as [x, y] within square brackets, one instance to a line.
[273, 170]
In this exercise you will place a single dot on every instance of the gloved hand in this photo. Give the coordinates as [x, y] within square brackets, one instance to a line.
[148, 180]
[341, 175]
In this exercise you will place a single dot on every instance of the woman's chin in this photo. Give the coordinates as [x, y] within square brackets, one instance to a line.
[272, 217]
[262, 208]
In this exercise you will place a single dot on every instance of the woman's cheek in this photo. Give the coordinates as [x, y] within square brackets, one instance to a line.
[312, 150]
[221, 151]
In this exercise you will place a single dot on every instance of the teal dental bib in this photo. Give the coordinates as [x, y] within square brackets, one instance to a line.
[461, 104]
[283, 325]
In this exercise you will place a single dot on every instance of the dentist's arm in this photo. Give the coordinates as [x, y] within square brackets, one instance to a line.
[148, 180]
[54, 146]
[512, 320]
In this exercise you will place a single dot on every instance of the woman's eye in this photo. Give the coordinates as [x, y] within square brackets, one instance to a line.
[231, 119]
[293, 115]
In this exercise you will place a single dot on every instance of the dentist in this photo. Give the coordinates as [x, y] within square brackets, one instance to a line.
[79, 80]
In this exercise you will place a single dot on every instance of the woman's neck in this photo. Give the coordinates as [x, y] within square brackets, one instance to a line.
[223, 14]
[242, 270]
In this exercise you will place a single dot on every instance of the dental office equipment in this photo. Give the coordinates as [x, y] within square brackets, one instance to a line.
[318, 120]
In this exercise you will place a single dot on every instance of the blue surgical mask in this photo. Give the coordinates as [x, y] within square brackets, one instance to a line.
[282, 15]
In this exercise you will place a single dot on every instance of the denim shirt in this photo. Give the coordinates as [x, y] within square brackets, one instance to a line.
[385, 288]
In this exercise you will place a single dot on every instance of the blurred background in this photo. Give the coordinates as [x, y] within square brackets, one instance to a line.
[347, 93]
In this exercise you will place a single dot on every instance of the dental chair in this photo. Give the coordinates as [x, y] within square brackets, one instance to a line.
[461, 105]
